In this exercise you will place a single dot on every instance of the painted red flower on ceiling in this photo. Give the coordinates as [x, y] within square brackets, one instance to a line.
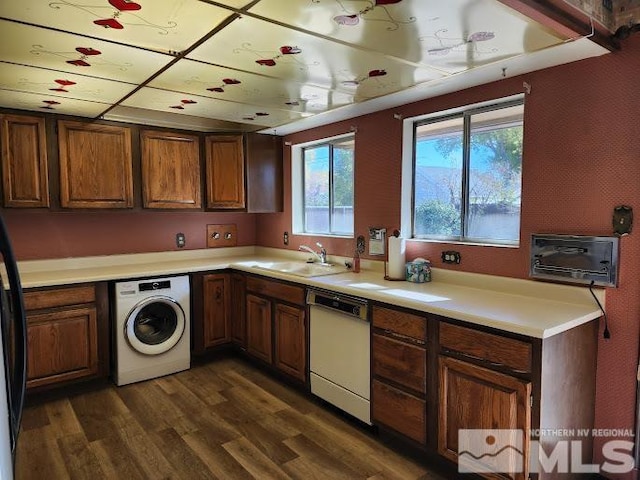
[284, 50]
[225, 82]
[116, 14]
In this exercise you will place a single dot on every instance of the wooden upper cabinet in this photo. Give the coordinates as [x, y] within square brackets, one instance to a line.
[95, 165]
[24, 161]
[264, 173]
[225, 171]
[170, 170]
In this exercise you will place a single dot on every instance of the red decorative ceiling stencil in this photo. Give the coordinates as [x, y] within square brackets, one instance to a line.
[377, 11]
[115, 14]
[448, 44]
[85, 52]
[371, 74]
[50, 104]
[284, 50]
[182, 104]
[125, 5]
[225, 82]
[88, 51]
[253, 117]
[89, 56]
[61, 85]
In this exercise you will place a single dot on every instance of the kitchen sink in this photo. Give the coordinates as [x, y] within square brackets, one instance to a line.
[301, 269]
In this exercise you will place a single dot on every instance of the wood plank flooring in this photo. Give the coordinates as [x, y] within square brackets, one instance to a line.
[224, 419]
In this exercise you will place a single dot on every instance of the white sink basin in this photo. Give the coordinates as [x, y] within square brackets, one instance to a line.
[301, 269]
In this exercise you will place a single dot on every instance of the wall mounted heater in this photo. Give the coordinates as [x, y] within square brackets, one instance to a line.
[575, 259]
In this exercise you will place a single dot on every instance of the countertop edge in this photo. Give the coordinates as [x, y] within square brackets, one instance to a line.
[367, 284]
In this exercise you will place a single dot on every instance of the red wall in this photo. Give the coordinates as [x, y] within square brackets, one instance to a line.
[44, 234]
[581, 159]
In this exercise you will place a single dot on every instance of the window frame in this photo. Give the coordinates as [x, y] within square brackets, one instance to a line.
[298, 185]
[410, 126]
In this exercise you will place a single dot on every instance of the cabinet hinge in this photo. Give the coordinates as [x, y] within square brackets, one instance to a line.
[531, 400]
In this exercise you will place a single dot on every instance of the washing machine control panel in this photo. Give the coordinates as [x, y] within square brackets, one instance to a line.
[148, 286]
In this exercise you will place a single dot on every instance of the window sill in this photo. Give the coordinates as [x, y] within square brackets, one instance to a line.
[323, 235]
[458, 242]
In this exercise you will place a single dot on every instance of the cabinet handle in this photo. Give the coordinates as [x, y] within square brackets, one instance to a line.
[404, 338]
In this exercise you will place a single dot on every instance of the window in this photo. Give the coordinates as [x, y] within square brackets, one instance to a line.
[467, 172]
[325, 191]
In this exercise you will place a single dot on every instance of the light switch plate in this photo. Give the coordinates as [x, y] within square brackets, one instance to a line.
[224, 235]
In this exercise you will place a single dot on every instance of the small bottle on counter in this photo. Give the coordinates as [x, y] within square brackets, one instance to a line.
[356, 262]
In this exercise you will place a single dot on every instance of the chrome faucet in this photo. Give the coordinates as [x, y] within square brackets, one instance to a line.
[321, 255]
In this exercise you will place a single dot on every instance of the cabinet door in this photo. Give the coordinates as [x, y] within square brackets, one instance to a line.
[95, 166]
[24, 161]
[290, 341]
[259, 327]
[264, 173]
[61, 345]
[216, 310]
[170, 170]
[238, 318]
[399, 410]
[225, 172]
[472, 397]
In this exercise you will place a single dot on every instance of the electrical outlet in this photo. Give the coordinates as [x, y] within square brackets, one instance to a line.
[451, 256]
[180, 240]
[285, 238]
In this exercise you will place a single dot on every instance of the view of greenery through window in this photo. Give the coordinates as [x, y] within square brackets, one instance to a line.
[469, 188]
[328, 187]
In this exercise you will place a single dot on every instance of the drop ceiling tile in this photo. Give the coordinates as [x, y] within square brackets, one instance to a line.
[193, 105]
[50, 104]
[261, 47]
[454, 35]
[164, 25]
[60, 84]
[75, 54]
[226, 84]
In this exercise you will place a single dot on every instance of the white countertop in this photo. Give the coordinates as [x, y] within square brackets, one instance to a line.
[527, 307]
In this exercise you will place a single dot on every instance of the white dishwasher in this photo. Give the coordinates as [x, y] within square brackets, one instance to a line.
[339, 351]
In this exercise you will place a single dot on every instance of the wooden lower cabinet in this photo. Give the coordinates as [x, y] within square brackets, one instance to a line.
[276, 325]
[290, 341]
[259, 328]
[399, 367]
[433, 377]
[216, 292]
[67, 334]
[238, 306]
[473, 397]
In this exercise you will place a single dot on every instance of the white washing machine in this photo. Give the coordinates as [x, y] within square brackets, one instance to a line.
[152, 328]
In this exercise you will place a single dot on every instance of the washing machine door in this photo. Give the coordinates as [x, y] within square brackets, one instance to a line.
[155, 325]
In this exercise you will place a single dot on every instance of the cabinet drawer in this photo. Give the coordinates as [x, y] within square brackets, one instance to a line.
[400, 362]
[281, 291]
[400, 323]
[400, 411]
[500, 351]
[59, 297]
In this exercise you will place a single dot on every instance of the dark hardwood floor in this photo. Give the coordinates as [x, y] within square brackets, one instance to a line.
[224, 419]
